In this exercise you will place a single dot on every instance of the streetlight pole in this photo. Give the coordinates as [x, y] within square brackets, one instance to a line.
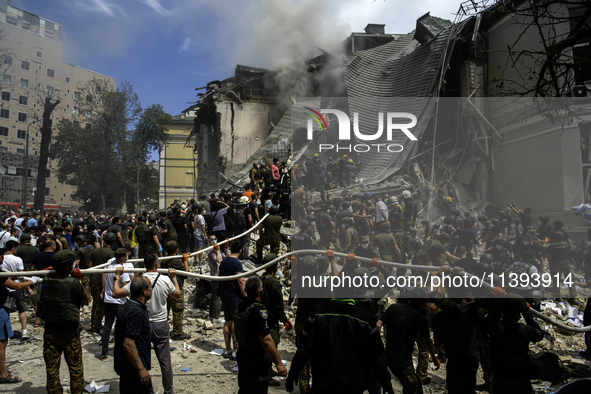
[26, 169]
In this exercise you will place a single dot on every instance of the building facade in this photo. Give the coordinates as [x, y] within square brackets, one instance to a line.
[32, 69]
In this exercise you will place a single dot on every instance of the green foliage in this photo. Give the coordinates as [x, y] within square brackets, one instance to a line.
[103, 161]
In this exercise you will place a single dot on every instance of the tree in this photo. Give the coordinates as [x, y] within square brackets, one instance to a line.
[46, 133]
[103, 158]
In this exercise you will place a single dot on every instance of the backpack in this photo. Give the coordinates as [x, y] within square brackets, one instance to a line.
[239, 218]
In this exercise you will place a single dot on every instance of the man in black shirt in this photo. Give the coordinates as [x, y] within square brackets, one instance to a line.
[345, 347]
[132, 340]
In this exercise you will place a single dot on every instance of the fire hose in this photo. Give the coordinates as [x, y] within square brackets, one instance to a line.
[100, 270]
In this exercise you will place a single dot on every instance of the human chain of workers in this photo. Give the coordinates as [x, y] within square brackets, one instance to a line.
[338, 336]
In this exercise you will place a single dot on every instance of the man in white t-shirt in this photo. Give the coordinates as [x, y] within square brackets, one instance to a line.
[14, 263]
[112, 304]
[162, 287]
[381, 211]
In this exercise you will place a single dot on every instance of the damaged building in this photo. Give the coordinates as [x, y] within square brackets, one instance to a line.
[483, 134]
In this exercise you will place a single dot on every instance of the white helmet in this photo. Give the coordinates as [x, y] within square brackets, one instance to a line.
[243, 200]
[394, 200]
[406, 194]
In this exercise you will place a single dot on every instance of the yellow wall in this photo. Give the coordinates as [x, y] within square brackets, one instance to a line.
[177, 165]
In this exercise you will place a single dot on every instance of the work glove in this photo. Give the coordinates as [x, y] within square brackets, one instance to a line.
[374, 262]
[330, 254]
[437, 363]
[498, 291]
[76, 273]
[160, 249]
[287, 325]
[216, 247]
[289, 384]
[185, 257]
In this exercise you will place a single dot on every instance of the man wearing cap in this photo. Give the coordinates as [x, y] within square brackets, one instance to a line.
[61, 242]
[99, 256]
[59, 307]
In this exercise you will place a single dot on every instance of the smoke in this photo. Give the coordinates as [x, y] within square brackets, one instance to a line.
[283, 35]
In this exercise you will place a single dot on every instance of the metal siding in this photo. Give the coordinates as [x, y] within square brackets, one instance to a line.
[530, 173]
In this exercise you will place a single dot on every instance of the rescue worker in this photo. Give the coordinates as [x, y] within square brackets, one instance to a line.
[141, 234]
[509, 346]
[257, 349]
[83, 258]
[344, 346]
[410, 211]
[558, 254]
[271, 233]
[272, 298]
[403, 322]
[59, 307]
[396, 215]
[348, 236]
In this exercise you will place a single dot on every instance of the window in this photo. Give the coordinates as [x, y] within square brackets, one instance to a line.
[25, 25]
[24, 100]
[50, 73]
[3, 149]
[6, 79]
[20, 151]
[77, 96]
[8, 60]
[68, 80]
[22, 117]
[47, 173]
[4, 131]
[5, 96]
[39, 54]
[87, 126]
[24, 83]
[88, 98]
[76, 111]
[25, 64]
[4, 113]
[88, 113]
[50, 90]
[73, 198]
[47, 192]
[21, 134]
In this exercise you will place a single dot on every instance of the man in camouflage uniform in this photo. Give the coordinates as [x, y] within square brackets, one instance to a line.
[59, 307]
[99, 256]
[153, 238]
[83, 258]
[558, 254]
[177, 306]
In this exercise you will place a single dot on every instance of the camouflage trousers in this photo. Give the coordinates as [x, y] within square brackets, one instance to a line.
[411, 384]
[54, 344]
[485, 358]
[178, 312]
[98, 310]
[423, 359]
[304, 376]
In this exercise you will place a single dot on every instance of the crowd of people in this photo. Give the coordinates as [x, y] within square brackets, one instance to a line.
[349, 343]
